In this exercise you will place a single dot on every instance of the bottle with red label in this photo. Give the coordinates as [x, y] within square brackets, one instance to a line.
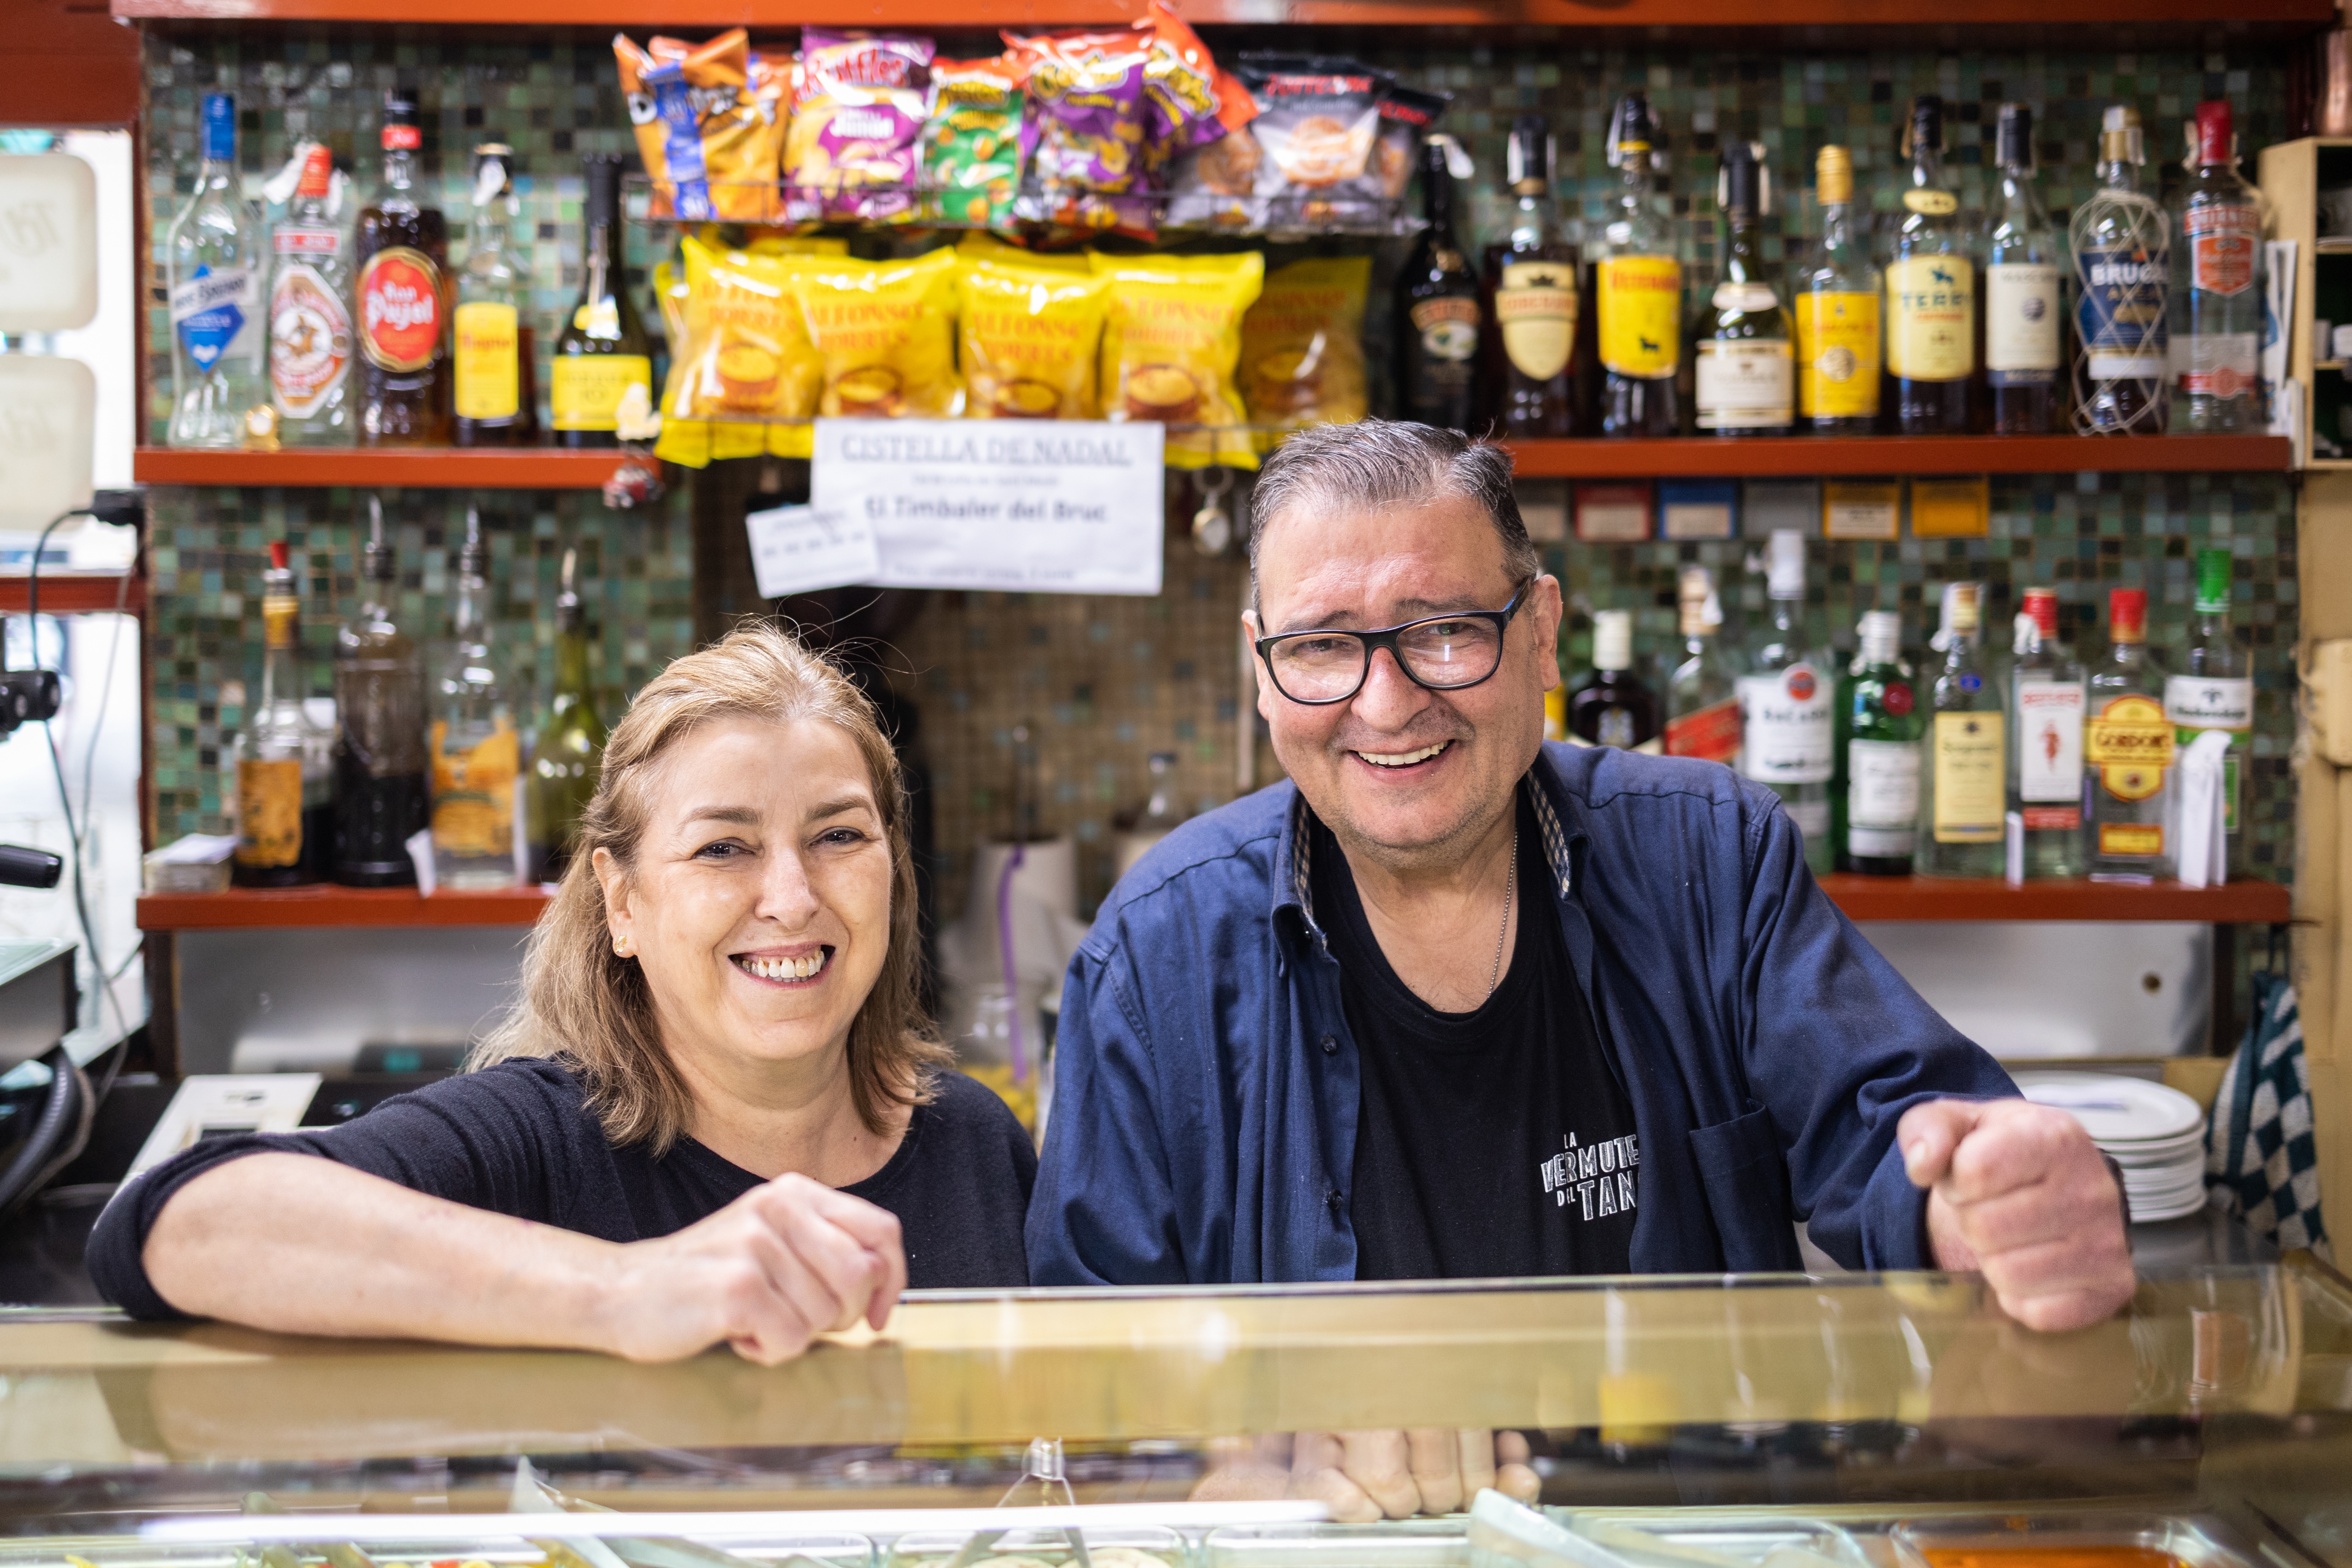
[2216, 319]
[311, 343]
[400, 298]
[1703, 695]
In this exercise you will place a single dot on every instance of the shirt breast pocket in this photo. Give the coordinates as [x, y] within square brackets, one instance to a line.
[1746, 1179]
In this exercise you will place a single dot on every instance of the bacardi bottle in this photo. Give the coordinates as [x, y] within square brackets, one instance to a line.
[477, 753]
[2046, 768]
[1836, 309]
[310, 343]
[1702, 696]
[2127, 745]
[1786, 704]
[281, 760]
[1931, 294]
[2216, 689]
[214, 246]
[2024, 304]
[1612, 707]
[1964, 774]
[1875, 800]
[2122, 255]
[2218, 315]
[1639, 294]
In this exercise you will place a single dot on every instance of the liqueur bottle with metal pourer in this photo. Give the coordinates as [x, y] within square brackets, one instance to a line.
[1639, 291]
[2121, 266]
[1874, 799]
[401, 297]
[497, 399]
[568, 755]
[1437, 309]
[603, 363]
[1965, 773]
[477, 753]
[282, 760]
[2024, 304]
[1531, 300]
[1744, 376]
[1836, 309]
[1931, 298]
[380, 768]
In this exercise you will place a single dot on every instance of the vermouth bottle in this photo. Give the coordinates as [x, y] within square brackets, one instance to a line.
[311, 343]
[2122, 245]
[601, 377]
[282, 760]
[1786, 705]
[2215, 691]
[1702, 698]
[1638, 292]
[215, 245]
[2218, 316]
[2046, 761]
[1531, 300]
[1744, 381]
[2023, 302]
[1964, 776]
[1931, 297]
[1612, 707]
[1875, 800]
[2128, 746]
[1836, 309]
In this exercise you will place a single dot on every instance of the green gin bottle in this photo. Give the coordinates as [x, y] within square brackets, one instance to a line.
[1875, 799]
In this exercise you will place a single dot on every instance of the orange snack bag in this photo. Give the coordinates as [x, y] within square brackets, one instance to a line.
[709, 122]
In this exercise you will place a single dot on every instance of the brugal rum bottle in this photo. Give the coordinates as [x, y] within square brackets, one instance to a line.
[1531, 300]
[1639, 295]
[380, 799]
[2123, 251]
[401, 298]
[602, 357]
[1437, 313]
[1931, 301]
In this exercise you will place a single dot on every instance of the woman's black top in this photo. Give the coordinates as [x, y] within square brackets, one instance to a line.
[518, 1140]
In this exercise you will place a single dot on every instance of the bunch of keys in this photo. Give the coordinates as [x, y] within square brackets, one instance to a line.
[1213, 525]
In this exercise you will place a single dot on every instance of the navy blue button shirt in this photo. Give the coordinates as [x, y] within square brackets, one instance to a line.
[1206, 1086]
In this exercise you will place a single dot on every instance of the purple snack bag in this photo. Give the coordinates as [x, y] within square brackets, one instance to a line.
[854, 150]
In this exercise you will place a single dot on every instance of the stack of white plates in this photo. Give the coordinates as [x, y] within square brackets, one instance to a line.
[2156, 1134]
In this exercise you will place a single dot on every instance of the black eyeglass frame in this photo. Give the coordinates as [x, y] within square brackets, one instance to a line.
[1386, 637]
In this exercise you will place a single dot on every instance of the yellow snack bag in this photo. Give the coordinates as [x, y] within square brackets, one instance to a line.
[1030, 337]
[1171, 339]
[980, 245]
[885, 332]
[745, 357]
[1303, 346]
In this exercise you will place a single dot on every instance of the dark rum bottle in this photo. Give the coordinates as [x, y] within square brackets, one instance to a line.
[401, 296]
[1531, 300]
[1437, 310]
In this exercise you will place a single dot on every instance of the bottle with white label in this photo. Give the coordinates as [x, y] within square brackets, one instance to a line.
[2045, 774]
[310, 339]
[1964, 768]
[217, 331]
[1746, 376]
[2216, 316]
[1874, 799]
[2216, 689]
[2024, 306]
[1786, 705]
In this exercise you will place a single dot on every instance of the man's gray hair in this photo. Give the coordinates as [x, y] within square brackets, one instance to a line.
[1378, 463]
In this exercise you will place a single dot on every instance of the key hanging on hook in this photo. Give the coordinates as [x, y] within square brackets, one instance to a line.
[1213, 525]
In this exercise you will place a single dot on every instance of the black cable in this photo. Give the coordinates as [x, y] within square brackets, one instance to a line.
[56, 1133]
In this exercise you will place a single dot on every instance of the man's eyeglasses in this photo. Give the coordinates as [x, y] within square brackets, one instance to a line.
[1443, 653]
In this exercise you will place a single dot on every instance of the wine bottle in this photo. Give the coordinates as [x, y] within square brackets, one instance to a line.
[568, 752]
[604, 359]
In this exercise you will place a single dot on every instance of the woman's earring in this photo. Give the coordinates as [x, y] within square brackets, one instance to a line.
[621, 948]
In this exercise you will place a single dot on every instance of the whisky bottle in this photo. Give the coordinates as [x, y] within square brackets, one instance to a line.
[497, 401]
[2216, 689]
[310, 342]
[2128, 747]
[1702, 698]
[215, 305]
[604, 359]
[282, 761]
[1875, 800]
[1437, 313]
[379, 766]
[1612, 707]
[2023, 305]
[1745, 380]
[2216, 323]
[1786, 701]
[476, 754]
[1836, 309]
[568, 752]
[1931, 301]
[2046, 766]
[1531, 300]
[400, 298]
[2122, 253]
[1964, 776]
[1639, 292]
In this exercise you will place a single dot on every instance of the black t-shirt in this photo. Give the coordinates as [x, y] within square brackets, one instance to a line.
[518, 1140]
[1497, 1142]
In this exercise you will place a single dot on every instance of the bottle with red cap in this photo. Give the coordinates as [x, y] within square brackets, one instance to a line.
[311, 343]
[281, 761]
[2046, 776]
[2128, 748]
[401, 297]
[2218, 307]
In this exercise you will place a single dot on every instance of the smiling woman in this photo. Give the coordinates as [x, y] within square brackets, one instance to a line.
[717, 1112]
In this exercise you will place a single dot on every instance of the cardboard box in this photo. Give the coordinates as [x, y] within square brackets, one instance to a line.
[1613, 513]
[1697, 508]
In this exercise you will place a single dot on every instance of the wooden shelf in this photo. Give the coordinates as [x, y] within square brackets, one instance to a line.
[1990, 898]
[1687, 457]
[277, 909]
[71, 592]
[417, 468]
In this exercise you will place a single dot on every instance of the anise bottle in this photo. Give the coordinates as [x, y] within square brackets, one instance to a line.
[400, 298]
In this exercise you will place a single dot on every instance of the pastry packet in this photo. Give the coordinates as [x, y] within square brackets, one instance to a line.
[1030, 336]
[885, 332]
[971, 144]
[1318, 119]
[853, 151]
[1302, 358]
[1171, 339]
[709, 123]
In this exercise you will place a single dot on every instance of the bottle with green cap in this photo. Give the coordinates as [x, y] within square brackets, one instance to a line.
[2215, 689]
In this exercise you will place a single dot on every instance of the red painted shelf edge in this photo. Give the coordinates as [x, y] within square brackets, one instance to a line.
[422, 468]
[66, 593]
[272, 909]
[1806, 457]
[2243, 902]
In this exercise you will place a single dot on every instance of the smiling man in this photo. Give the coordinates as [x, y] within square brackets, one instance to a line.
[1454, 1003]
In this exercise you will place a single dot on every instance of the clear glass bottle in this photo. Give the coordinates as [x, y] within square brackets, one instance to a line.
[2122, 244]
[380, 764]
[2215, 691]
[2217, 314]
[1836, 311]
[496, 393]
[1745, 376]
[2024, 296]
[311, 340]
[1963, 771]
[283, 763]
[477, 754]
[2045, 771]
[568, 752]
[1787, 703]
[1874, 799]
[1437, 310]
[2128, 748]
[1612, 707]
[1702, 694]
[1531, 300]
[1931, 296]
[213, 248]
[1638, 294]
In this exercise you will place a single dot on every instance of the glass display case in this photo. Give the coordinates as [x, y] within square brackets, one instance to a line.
[1766, 1422]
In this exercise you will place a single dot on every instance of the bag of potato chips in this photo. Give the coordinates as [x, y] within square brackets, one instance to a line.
[988, 248]
[885, 332]
[859, 103]
[1170, 341]
[972, 147]
[709, 122]
[669, 278]
[744, 357]
[1303, 346]
[1030, 336]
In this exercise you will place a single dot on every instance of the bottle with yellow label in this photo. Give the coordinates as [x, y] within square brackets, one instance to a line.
[2128, 748]
[283, 765]
[497, 403]
[1931, 294]
[1964, 782]
[604, 364]
[1638, 294]
[475, 751]
[1836, 309]
[1531, 300]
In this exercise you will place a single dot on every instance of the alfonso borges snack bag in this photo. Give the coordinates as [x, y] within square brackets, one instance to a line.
[743, 354]
[886, 333]
[1170, 343]
[1030, 336]
[709, 122]
[1303, 346]
[854, 148]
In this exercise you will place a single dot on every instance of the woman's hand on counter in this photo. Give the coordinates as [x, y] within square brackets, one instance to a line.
[1367, 1476]
[2020, 1192]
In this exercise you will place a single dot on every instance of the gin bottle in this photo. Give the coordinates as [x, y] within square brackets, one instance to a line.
[2046, 764]
[215, 245]
[311, 340]
[2128, 748]
[1702, 697]
[2218, 316]
[2122, 253]
[476, 751]
[1964, 776]
[2216, 691]
[2022, 310]
[1786, 703]
[1875, 800]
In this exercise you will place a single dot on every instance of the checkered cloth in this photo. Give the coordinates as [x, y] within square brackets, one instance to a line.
[2260, 1158]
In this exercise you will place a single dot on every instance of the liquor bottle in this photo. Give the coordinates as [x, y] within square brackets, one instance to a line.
[2217, 317]
[2216, 690]
[1930, 293]
[380, 798]
[2046, 766]
[475, 751]
[1638, 293]
[496, 401]
[1746, 381]
[215, 245]
[2023, 303]
[1437, 313]
[1786, 703]
[569, 751]
[310, 322]
[400, 298]
[1874, 799]
[1531, 300]
[1836, 309]
[1702, 697]
[283, 762]
[2127, 749]
[1964, 776]
[1612, 707]
[2122, 254]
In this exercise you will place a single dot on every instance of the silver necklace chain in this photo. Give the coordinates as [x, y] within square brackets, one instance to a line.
[1510, 887]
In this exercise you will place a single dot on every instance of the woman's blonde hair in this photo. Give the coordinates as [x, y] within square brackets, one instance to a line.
[584, 1003]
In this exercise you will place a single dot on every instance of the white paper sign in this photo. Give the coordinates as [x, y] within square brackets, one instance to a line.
[799, 549]
[1014, 505]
